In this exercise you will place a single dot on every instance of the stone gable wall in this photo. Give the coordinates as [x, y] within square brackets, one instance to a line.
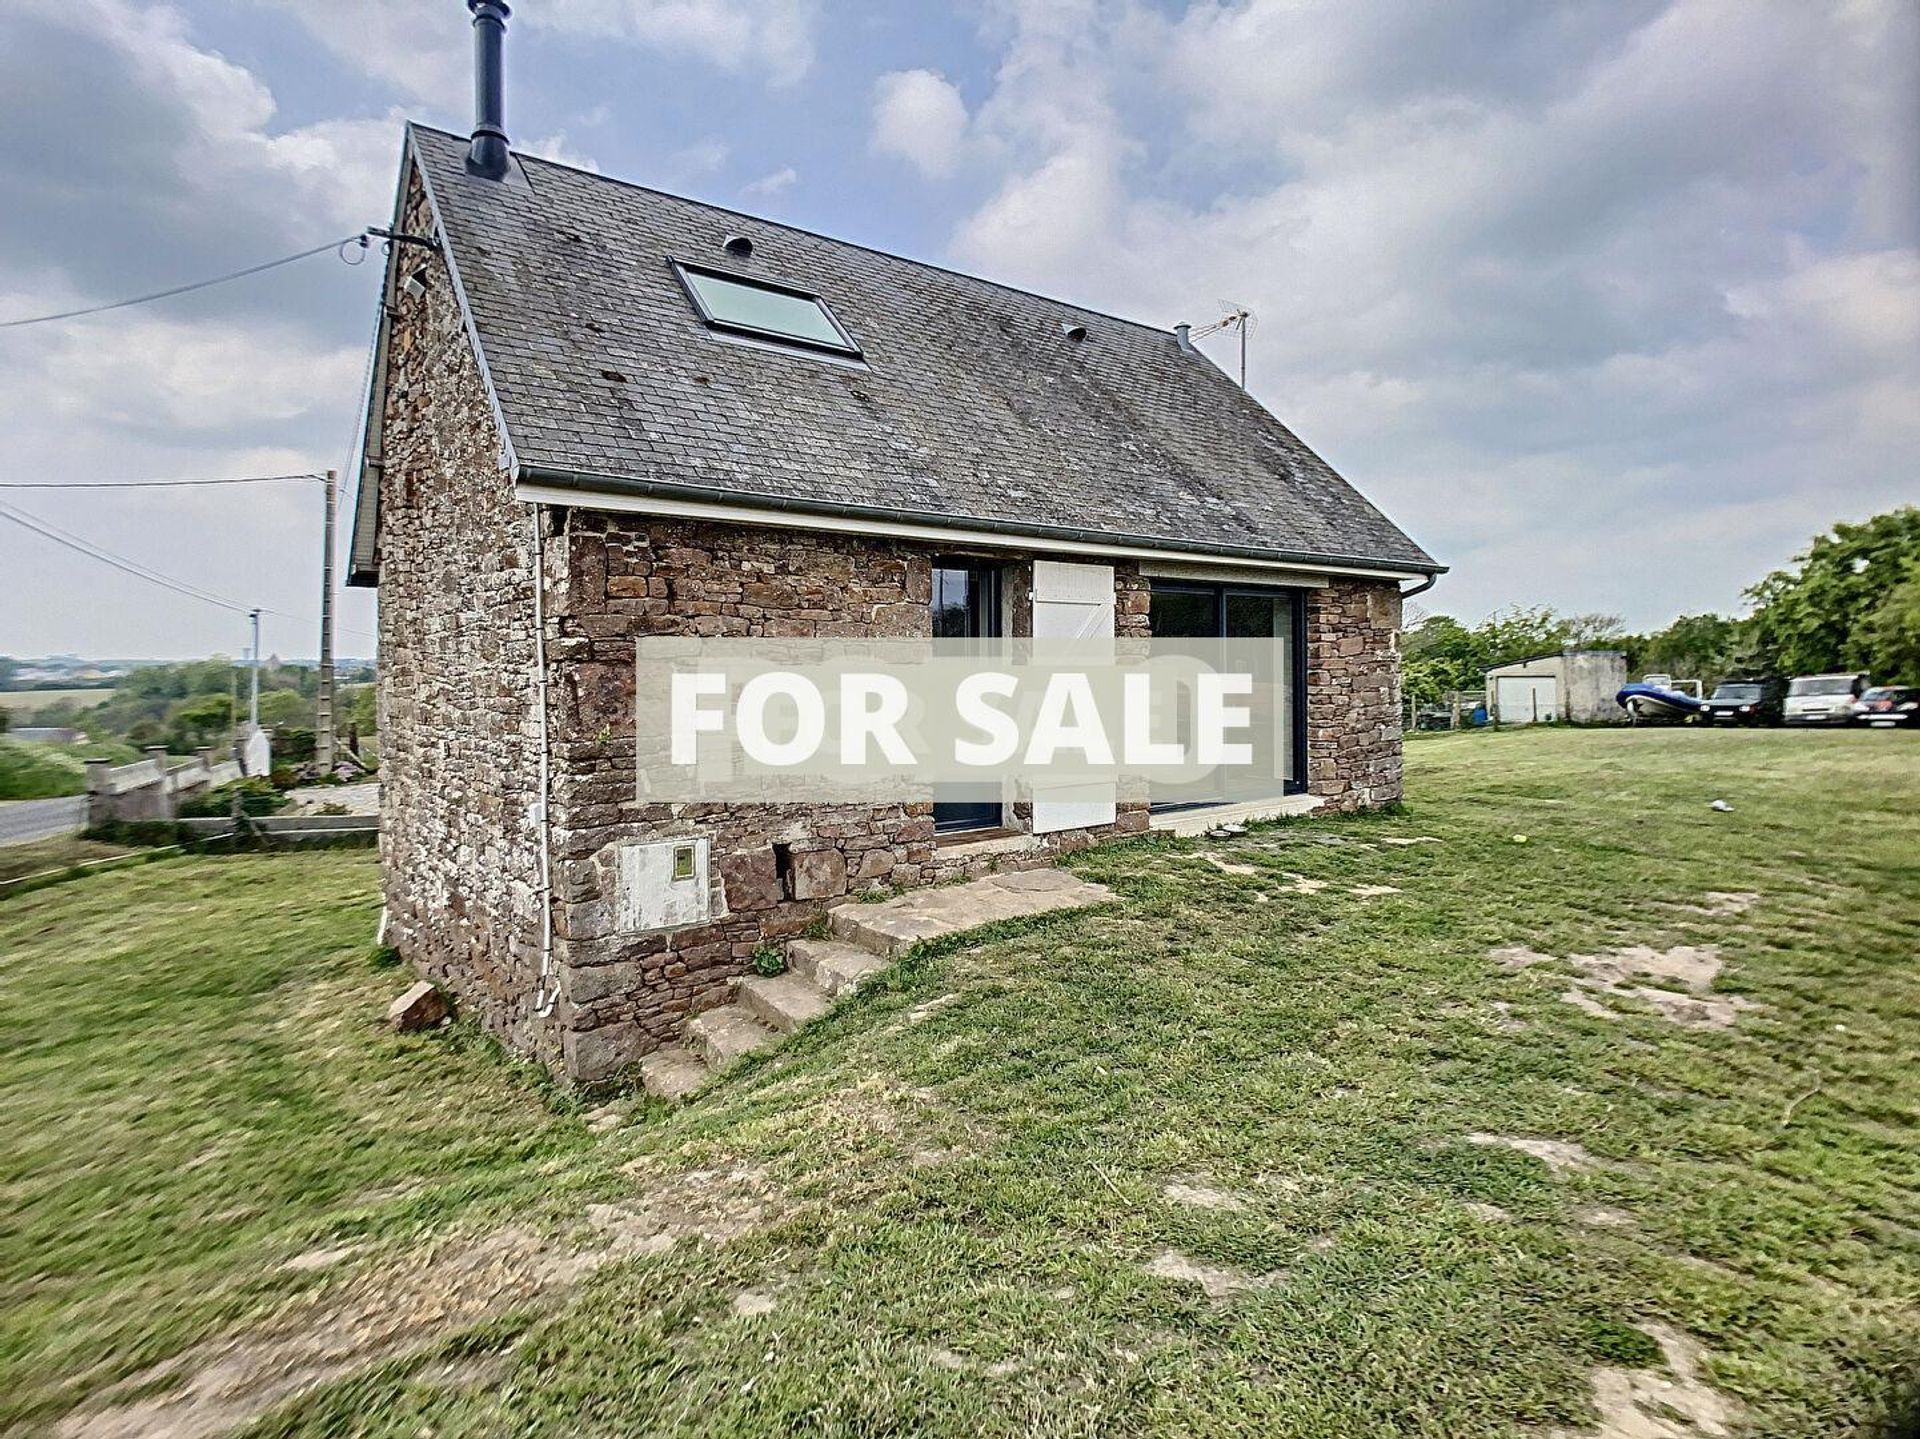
[460, 761]
[1353, 694]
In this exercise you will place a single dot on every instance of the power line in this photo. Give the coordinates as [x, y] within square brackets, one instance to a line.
[335, 245]
[71, 541]
[147, 484]
[75, 543]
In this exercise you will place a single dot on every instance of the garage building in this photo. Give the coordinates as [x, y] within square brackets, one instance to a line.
[1573, 685]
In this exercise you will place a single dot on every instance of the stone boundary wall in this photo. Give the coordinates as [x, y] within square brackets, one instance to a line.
[151, 788]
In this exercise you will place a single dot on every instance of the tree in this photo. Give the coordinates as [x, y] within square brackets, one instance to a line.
[1703, 647]
[202, 720]
[281, 708]
[362, 708]
[1440, 655]
[1893, 631]
[1825, 612]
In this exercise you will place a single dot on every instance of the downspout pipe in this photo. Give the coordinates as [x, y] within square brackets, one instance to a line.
[488, 156]
[546, 990]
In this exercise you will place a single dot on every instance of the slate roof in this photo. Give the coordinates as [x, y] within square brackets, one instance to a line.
[972, 409]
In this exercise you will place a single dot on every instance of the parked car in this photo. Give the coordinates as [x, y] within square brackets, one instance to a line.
[1889, 706]
[1745, 702]
[1823, 699]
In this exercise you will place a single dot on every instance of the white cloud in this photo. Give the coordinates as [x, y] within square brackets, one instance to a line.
[1582, 285]
[171, 166]
[769, 186]
[771, 37]
[702, 157]
[423, 48]
[919, 116]
[159, 374]
[555, 147]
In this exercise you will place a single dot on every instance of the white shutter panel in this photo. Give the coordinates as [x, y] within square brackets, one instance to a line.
[1072, 602]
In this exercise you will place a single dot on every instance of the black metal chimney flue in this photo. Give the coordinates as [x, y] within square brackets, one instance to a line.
[487, 157]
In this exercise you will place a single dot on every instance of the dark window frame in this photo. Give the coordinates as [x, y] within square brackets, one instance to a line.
[987, 610]
[1297, 614]
[683, 271]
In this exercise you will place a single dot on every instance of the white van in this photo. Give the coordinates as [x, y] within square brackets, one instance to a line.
[1823, 699]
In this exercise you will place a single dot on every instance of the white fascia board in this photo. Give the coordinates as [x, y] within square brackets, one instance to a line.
[1269, 571]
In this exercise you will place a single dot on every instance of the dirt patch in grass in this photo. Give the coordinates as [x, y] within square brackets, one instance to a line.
[224, 1384]
[1228, 866]
[1694, 967]
[1602, 1216]
[384, 1313]
[711, 1204]
[1649, 1404]
[1202, 1196]
[1612, 975]
[1557, 1154]
[1217, 1281]
[1723, 904]
[314, 1261]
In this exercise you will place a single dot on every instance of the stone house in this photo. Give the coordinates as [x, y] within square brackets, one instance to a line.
[600, 412]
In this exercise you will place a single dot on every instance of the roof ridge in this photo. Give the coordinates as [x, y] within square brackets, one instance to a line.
[1166, 331]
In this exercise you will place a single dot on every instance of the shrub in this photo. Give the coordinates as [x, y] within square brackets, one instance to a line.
[257, 796]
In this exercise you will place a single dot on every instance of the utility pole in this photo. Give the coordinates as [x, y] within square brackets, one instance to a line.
[323, 748]
[253, 679]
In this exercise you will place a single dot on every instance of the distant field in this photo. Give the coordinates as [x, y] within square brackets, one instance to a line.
[23, 701]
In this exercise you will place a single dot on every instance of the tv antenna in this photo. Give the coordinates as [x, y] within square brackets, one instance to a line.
[1238, 317]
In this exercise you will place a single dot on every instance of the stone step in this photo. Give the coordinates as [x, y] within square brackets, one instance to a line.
[893, 927]
[785, 1001]
[887, 933]
[832, 966]
[725, 1036]
[673, 1073]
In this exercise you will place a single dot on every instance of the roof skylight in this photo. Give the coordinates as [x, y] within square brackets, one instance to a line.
[765, 310]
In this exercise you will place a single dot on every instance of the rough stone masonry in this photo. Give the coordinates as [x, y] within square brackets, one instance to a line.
[461, 721]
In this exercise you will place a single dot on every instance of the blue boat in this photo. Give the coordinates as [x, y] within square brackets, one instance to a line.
[1646, 702]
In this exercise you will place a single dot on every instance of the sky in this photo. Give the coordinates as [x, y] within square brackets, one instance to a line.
[1612, 306]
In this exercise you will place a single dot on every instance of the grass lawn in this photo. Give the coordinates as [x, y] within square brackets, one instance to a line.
[45, 856]
[30, 770]
[974, 1201]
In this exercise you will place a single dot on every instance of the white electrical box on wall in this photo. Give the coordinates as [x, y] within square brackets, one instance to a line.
[660, 884]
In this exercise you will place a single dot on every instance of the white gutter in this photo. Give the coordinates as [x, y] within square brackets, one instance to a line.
[667, 507]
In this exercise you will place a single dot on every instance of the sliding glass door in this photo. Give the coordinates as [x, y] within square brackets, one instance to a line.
[966, 606]
[1268, 627]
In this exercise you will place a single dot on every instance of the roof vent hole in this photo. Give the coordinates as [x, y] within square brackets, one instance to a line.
[738, 246]
[1073, 332]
